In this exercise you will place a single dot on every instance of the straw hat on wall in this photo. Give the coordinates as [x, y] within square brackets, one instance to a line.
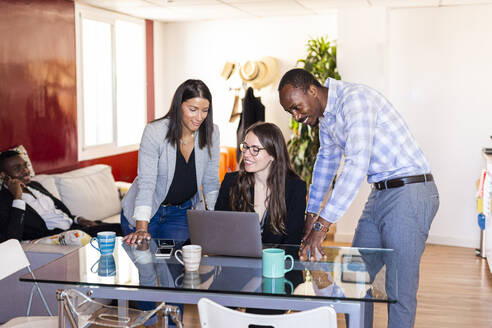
[259, 73]
[228, 70]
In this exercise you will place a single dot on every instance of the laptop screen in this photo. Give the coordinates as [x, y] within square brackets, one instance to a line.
[226, 232]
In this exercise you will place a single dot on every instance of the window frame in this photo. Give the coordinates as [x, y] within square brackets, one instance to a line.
[109, 149]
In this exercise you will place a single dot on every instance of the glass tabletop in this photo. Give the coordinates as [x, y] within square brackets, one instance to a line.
[359, 274]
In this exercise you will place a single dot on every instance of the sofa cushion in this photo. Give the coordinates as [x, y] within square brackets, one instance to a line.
[48, 181]
[113, 219]
[89, 192]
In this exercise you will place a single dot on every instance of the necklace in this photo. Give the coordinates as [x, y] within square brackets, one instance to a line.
[184, 141]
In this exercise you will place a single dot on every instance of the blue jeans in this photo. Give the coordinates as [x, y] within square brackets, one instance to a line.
[169, 222]
[398, 218]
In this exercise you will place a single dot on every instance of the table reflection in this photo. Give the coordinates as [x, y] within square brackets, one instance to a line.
[346, 273]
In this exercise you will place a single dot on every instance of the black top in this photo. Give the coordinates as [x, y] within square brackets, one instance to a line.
[295, 200]
[183, 186]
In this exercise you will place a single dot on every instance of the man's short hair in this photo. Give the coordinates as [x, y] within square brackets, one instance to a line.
[299, 78]
[6, 155]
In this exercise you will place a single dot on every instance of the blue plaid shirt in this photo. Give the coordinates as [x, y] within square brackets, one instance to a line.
[359, 123]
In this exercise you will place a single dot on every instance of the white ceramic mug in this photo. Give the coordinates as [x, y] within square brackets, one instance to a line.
[192, 255]
[189, 280]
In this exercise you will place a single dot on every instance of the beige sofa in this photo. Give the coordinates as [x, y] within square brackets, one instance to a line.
[90, 192]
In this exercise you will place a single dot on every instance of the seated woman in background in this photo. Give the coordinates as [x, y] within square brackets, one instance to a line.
[267, 185]
[178, 154]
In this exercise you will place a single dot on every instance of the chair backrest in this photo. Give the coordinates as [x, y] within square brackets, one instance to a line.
[213, 315]
[12, 254]
[13, 257]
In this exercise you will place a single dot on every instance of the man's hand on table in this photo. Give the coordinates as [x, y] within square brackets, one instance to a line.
[308, 225]
[312, 240]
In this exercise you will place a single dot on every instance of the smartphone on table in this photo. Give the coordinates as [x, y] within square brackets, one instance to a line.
[164, 248]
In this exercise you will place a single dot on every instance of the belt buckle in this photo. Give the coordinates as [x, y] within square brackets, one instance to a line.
[398, 184]
[381, 185]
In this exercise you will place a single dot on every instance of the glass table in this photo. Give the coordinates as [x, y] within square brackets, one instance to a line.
[347, 280]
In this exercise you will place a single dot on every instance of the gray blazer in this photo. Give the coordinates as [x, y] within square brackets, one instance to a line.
[156, 165]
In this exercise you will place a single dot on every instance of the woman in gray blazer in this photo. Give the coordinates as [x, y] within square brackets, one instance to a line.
[179, 154]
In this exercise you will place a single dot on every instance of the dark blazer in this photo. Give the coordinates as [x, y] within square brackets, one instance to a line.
[295, 200]
[28, 224]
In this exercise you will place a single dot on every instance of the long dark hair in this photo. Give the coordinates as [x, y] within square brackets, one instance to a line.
[187, 90]
[273, 141]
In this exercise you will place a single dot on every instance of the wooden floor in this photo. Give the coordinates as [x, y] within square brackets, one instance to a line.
[455, 291]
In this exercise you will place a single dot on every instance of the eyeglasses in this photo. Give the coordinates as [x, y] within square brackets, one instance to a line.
[253, 150]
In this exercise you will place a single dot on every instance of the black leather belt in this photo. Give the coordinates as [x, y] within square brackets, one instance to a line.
[167, 204]
[400, 182]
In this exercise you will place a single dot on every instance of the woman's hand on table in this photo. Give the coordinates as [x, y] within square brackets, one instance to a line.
[139, 235]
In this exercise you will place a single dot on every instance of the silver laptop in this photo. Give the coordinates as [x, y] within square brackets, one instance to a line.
[225, 232]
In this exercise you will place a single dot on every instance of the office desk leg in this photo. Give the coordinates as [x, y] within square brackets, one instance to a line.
[355, 315]
[122, 308]
[122, 303]
[61, 309]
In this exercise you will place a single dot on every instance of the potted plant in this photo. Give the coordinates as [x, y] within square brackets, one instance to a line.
[321, 61]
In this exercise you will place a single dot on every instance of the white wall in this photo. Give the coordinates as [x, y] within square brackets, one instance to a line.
[432, 63]
[362, 58]
[200, 49]
[435, 65]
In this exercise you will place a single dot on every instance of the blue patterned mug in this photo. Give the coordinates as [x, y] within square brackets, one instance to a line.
[106, 241]
[105, 266]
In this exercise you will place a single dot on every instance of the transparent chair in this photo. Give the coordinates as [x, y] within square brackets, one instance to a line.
[213, 315]
[83, 311]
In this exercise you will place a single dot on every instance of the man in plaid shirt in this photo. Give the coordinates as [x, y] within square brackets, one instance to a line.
[359, 123]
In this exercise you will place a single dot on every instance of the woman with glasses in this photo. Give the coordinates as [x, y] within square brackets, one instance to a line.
[179, 154]
[267, 185]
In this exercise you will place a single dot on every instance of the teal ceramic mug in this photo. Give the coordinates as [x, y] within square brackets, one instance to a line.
[273, 262]
[276, 285]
